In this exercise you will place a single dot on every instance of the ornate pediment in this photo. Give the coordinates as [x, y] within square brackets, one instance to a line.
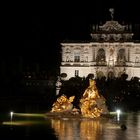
[112, 31]
[112, 26]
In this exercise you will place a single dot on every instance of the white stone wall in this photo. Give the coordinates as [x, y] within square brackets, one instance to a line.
[70, 71]
[88, 54]
[136, 72]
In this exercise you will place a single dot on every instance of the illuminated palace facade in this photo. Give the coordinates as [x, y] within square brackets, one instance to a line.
[110, 53]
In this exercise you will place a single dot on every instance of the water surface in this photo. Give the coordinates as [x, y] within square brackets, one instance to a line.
[72, 129]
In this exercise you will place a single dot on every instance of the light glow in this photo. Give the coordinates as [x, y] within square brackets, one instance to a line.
[11, 115]
[118, 114]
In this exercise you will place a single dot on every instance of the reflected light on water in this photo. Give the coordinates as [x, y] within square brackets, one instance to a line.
[15, 122]
[22, 123]
[68, 129]
[90, 130]
[81, 130]
[29, 115]
[76, 129]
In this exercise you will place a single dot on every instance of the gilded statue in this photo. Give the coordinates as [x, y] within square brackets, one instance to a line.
[63, 104]
[92, 104]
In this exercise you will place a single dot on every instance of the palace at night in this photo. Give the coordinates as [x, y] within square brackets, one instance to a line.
[111, 52]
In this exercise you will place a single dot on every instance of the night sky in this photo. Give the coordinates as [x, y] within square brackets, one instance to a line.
[34, 31]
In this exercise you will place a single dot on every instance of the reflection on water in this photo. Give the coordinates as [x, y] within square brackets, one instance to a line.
[109, 129]
[76, 129]
[73, 129]
[133, 123]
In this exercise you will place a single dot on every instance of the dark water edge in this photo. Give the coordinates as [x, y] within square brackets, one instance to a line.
[27, 132]
[25, 105]
[54, 129]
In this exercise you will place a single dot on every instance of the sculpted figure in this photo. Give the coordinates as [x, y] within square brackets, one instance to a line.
[92, 104]
[63, 104]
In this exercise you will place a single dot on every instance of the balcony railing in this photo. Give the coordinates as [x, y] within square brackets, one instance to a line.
[130, 64]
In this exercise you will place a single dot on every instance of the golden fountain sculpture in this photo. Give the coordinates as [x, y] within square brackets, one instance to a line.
[63, 104]
[92, 105]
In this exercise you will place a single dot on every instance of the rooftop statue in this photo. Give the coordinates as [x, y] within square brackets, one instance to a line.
[111, 10]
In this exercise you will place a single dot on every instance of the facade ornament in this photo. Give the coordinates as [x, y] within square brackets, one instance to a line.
[110, 26]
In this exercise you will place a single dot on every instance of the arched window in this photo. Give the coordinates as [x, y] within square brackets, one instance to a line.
[100, 59]
[111, 75]
[121, 57]
[77, 55]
